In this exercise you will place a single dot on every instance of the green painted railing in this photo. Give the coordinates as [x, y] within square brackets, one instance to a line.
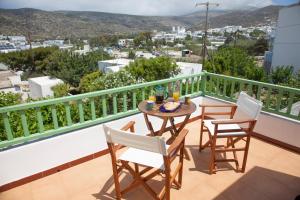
[276, 99]
[36, 120]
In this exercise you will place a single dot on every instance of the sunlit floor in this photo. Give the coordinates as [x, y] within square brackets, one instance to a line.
[271, 173]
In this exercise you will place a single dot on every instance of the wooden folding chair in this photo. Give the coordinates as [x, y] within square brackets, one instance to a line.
[150, 153]
[242, 119]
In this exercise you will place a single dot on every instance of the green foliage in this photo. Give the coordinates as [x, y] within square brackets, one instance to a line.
[259, 48]
[143, 40]
[87, 82]
[234, 62]
[9, 99]
[257, 33]
[282, 74]
[153, 68]
[27, 60]
[131, 54]
[70, 67]
[96, 81]
[61, 90]
[104, 40]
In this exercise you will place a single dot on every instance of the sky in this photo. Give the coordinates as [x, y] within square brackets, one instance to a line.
[136, 7]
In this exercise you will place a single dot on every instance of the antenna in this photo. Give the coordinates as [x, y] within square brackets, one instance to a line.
[204, 48]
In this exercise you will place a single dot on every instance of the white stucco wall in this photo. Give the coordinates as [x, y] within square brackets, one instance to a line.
[286, 47]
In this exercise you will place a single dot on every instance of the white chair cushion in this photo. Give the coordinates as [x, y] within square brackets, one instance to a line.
[142, 157]
[211, 128]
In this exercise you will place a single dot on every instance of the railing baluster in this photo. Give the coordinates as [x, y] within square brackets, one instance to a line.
[211, 85]
[258, 92]
[68, 114]
[268, 98]
[193, 85]
[249, 89]
[290, 102]
[180, 89]
[232, 89]
[203, 85]
[186, 86]
[241, 86]
[124, 102]
[24, 123]
[9, 134]
[143, 94]
[40, 120]
[218, 86]
[115, 107]
[134, 100]
[198, 83]
[224, 88]
[81, 112]
[279, 97]
[104, 107]
[93, 110]
[54, 117]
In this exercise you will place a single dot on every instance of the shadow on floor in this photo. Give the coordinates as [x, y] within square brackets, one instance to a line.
[262, 183]
[202, 159]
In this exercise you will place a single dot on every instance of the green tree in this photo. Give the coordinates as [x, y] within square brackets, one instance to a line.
[234, 62]
[153, 68]
[9, 99]
[61, 90]
[259, 47]
[87, 82]
[131, 54]
[282, 74]
[70, 67]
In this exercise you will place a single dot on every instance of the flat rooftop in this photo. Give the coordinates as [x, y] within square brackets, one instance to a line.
[271, 173]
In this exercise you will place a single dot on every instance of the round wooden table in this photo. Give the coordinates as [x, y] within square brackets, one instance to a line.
[184, 110]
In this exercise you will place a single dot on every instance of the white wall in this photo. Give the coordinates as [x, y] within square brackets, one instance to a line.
[23, 161]
[286, 49]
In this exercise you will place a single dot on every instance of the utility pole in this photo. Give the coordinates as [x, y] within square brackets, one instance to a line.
[204, 48]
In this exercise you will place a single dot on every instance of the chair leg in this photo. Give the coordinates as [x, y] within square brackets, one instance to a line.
[181, 169]
[245, 154]
[213, 156]
[167, 183]
[201, 135]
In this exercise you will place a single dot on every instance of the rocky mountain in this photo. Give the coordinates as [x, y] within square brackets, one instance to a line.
[84, 24]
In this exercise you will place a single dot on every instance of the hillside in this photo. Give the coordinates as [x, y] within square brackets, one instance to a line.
[62, 24]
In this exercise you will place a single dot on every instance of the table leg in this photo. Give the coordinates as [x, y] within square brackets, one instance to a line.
[149, 125]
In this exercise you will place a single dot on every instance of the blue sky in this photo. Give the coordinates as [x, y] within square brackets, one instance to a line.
[138, 7]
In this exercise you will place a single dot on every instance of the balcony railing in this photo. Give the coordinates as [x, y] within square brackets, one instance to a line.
[36, 120]
[31, 121]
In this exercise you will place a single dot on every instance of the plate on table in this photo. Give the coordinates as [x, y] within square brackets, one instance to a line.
[170, 106]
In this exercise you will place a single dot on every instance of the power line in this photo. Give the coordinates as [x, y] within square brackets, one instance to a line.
[204, 48]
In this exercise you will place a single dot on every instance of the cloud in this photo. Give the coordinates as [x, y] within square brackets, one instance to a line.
[138, 7]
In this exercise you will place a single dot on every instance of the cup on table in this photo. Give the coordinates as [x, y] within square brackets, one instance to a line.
[187, 99]
[149, 105]
[176, 96]
[152, 98]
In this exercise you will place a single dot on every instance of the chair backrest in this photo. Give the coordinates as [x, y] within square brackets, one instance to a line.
[247, 107]
[147, 143]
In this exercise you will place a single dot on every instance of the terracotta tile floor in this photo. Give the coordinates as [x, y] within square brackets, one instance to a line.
[272, 173]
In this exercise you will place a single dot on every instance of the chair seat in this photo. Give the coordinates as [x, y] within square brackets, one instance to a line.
[211, 128]
[142, 157]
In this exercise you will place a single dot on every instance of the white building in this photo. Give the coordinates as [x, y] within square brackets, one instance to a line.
[42, 86]
[286, 47]
[189, 68]
[125, 42]
[107, 66]
[10, 81]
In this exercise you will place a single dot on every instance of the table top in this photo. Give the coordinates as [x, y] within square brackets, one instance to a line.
[185, 109]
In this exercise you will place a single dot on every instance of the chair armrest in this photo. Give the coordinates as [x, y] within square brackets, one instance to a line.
[218, 105]
[233, 121]
[129, 125]
[178, 140]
